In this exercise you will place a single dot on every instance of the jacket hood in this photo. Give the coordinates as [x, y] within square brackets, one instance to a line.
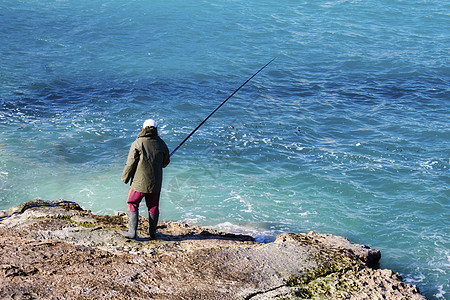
[148, 132]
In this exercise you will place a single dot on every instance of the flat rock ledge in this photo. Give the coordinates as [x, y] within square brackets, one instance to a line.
[57, 250]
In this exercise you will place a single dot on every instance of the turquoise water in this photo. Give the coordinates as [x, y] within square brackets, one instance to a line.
[346, 132]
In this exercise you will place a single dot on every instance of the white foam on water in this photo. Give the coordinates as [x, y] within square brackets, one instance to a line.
[262, 235]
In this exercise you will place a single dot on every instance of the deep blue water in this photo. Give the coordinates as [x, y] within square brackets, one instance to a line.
[346, 132]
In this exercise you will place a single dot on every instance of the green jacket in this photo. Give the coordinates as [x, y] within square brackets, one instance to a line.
[147, 157]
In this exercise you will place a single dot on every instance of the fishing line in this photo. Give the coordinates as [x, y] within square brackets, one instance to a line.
[203, 122]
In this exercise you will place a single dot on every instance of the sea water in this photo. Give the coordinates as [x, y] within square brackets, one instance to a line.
[346, 132]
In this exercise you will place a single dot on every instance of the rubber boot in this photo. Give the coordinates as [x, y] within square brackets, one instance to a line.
[133, 217]
[152, 224]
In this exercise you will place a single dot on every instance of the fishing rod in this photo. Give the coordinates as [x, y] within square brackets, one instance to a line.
[203, 122]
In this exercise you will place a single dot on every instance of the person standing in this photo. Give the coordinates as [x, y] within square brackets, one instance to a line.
[147, 157]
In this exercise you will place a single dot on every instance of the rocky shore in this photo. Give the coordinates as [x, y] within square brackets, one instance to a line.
[57, 250]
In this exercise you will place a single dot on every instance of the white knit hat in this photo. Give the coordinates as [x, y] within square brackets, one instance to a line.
[150, 123]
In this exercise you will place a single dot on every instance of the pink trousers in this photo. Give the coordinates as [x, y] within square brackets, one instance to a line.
[151, 199]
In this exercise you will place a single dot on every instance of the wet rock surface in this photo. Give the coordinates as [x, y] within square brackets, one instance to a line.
[54, 250]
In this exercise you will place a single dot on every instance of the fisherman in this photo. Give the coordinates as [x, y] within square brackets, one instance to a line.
[147, 157]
